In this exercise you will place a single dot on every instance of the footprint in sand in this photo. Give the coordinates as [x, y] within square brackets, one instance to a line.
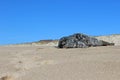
[7, 78]
[23, 63]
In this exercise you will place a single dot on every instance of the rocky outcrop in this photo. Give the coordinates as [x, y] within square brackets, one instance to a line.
[81, 41]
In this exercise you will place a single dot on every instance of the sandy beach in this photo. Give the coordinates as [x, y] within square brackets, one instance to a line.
[59, 39]
[50, 63]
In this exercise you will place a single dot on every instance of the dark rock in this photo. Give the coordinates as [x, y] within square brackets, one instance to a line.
[80, 41]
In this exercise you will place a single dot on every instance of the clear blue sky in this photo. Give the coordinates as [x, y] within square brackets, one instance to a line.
[33, 20]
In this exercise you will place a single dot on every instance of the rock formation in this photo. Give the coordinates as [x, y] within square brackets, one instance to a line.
[81, 41]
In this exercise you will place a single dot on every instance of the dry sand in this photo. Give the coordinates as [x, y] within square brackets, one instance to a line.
[110, 38]
[50, 63]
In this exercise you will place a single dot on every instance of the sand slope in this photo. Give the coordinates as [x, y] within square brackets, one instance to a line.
[111, 38]
[49, 63]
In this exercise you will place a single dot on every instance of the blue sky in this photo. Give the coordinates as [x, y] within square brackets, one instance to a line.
[33, 20]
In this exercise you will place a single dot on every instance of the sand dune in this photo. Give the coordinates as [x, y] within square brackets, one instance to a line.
[50, 63]
[111, 38]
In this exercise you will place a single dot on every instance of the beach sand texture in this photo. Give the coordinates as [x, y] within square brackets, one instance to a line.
[50, 63]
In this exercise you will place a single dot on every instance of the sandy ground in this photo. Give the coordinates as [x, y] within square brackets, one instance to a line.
[50, 63]
[110, 38]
